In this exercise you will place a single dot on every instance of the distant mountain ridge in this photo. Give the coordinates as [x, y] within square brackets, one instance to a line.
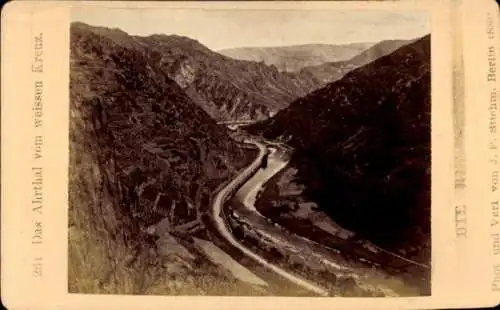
[293, 58]
[331, 71]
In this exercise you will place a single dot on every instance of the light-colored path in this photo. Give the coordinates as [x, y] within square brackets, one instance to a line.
[219, 200]
[220, 257]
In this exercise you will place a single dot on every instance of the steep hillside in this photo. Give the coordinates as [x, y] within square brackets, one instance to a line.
[331, 71]
[362, 149]
[141, 151]
[294, 58]
[227, 89]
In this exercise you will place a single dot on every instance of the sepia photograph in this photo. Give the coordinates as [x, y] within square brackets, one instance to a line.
[249, 152]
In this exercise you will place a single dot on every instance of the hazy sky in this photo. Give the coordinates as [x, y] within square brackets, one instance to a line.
[219, 29]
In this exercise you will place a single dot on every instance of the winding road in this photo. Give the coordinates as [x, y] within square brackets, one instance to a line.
[217, 207]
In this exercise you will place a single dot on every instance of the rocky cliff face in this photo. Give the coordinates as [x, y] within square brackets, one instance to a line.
[227, 89]
[363, 149]
[141, 151]
[329, 72]
[294, 58]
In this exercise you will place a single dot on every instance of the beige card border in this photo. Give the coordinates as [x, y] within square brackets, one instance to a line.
[456, 263]
[479, 261]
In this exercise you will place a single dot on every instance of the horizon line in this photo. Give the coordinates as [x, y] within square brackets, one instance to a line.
[371, 44]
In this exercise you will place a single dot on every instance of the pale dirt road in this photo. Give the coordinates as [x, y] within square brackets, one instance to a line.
[219, 200]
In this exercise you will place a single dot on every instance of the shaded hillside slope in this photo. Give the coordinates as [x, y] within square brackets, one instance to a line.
[227, 89]
[331, 71]
[293, 58]
[140, 151]
[363, 148]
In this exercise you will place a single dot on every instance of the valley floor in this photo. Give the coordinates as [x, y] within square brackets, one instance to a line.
[337, 264]
[262, 217]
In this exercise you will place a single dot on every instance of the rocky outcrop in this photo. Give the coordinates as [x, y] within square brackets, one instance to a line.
[227, 89]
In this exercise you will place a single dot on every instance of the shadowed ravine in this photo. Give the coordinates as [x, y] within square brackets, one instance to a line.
[246, 188]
